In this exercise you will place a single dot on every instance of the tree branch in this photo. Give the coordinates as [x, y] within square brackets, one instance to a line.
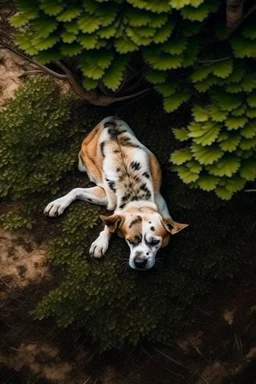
[43, 67]
[93, 97]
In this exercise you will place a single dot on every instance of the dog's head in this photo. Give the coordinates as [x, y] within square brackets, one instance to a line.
[145, 232]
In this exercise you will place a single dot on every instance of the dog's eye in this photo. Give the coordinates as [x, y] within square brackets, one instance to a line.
[154, 241]
[130, 242]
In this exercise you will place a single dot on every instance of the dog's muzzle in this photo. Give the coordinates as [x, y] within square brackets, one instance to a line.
[140, 261]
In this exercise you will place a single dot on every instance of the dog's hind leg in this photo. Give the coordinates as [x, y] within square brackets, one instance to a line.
[95, 195]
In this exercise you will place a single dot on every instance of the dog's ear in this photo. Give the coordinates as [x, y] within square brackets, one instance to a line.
[172, 227]
[113, 222]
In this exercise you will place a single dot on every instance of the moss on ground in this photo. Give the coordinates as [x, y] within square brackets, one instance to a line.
[40, 134]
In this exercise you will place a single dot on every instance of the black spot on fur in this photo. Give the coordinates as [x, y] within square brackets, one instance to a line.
[118, 169]
[122, 206]
[146, 174]
[135, 165]
[152, 228]
[109, 124]
[112, 133]
[111, 185]
[126, 142]
[102, 145]
[89, 199]
[116, 151]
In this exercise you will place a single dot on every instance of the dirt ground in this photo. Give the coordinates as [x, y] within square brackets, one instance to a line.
[220, 347]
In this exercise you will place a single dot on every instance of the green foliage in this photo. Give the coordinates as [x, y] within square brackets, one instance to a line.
[91, 30]
[40, 135]
[223, 135]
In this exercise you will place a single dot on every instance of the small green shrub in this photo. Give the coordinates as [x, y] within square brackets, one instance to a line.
[40, 133]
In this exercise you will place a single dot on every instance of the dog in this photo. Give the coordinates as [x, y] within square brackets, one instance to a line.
[128, 180]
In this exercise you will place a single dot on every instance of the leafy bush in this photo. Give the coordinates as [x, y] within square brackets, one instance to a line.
[40, 133]
[183, 49]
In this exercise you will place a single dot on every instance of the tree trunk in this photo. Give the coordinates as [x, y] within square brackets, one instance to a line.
[234, 13]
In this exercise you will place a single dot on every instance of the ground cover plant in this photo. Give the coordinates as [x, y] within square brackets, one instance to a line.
[40, 133]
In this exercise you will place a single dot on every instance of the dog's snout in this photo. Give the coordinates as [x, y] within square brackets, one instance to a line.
[140, 261]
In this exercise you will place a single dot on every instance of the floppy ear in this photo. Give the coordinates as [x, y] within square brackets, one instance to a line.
[113, 222]
[172, 227]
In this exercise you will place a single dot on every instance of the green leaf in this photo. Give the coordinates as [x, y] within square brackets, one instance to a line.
[72, 27]
[139, 17]
[226, 101]
[164, 32]
[175, 46]
[249, 82]
[152, 5]
[51, 55]
[29, 8]
[217, 114]
[155, 76]
[248, 169]
[19, 20]
[162, 61]
[172, 103]
[167, 89]
[185, 174]
[243, 47]
[249, 131]
[223, 193]
[200, 114]
[71, 49]
[68, 37]
[226, 166]
[251, 112]
[249, 31]
[231, 143]
[88, 41]
[125, 45]
[199, 13]
[251, 100]
[181, 156]
[194, 166]
[88, 23]
[206, 136]
[137, 38]
[206, 155]
[233, 88]
[247, 144]
[69, 14]
[46, 43]
[206, 84]
[200, 74]
[239, 111]
[90, 84]
[207, 182]
[234, 123]
[223, 68]
[114, 74]
[179, 4]
[108, 32]
[44, 27]
[180, 134]
[234, 184]
[51, 7]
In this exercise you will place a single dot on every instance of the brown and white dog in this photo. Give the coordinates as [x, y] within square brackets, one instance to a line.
[128, 179]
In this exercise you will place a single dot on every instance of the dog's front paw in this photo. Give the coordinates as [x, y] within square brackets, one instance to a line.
[56, 207]
[99, 247]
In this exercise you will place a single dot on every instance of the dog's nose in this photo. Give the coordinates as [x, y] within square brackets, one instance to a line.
[140, 261]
